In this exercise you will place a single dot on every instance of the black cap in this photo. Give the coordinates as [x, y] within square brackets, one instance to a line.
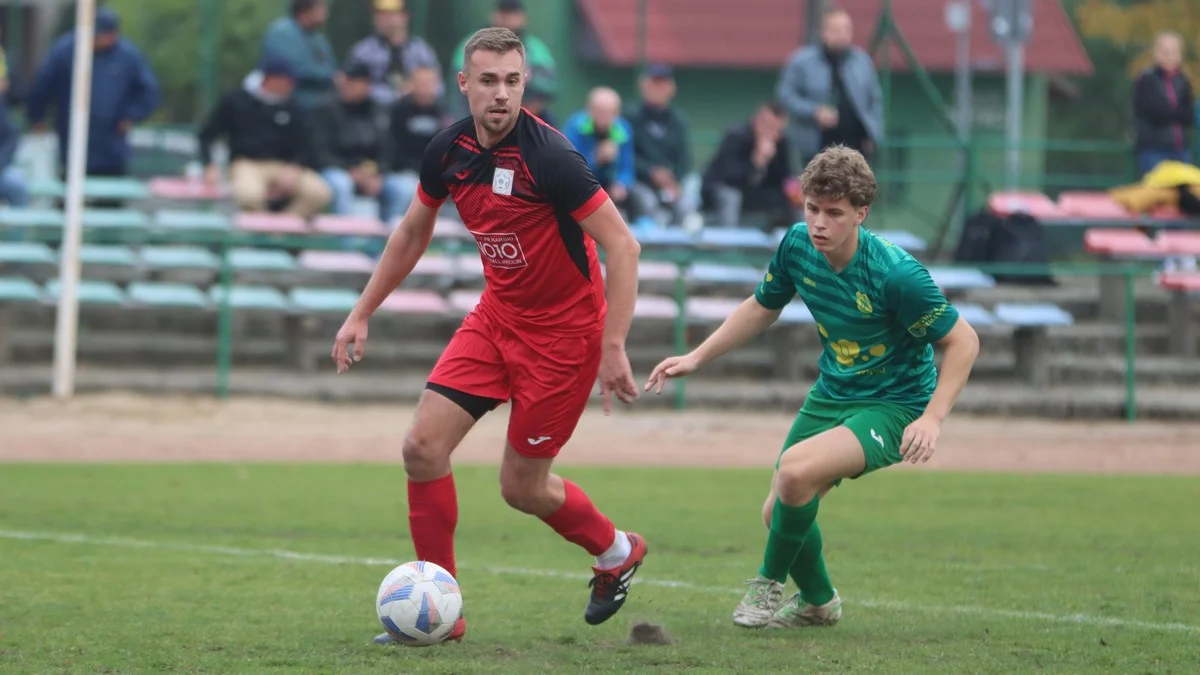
[357, 70]
[277, 66]
[659, 71]
[508, 6]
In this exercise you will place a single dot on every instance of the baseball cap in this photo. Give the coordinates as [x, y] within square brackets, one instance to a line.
[107, 21]
[276, 66]
[659, 71]
[390, 6]
[510, 6]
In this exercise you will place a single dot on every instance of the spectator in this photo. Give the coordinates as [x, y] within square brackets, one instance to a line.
[661, 148]
[416, 119]
[536, 101]
[605, 140]
[298, 39]
[13, 189]
[1163, 107]
[832, 94]
[351, 144]
[539, 61]
[392, 54]
[124, 91]
[271, 154]
[751, 171]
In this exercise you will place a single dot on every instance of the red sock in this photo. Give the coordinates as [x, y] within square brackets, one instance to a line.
[432, 517]
[578, 521]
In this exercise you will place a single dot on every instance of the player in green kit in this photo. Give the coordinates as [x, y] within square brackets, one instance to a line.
[879, 400]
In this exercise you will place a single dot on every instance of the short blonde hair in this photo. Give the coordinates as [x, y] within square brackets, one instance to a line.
[840, 172]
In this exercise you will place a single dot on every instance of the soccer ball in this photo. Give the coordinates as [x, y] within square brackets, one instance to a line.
[418, 603]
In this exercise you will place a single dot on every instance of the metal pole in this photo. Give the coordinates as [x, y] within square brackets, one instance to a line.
[958, 17]
[1016, 104]
[67, 324]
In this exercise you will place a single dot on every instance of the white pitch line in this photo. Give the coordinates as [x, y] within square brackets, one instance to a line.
[282, 554]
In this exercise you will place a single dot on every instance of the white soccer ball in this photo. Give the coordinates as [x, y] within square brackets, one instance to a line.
[418, 603]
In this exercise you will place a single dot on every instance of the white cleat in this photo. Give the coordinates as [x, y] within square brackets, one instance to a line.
[759, 605]
[797, 614]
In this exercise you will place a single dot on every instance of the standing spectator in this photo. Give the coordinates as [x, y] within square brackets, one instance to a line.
[271, 153]
[543, 72]
[832, 94]
[298, 39]
[416, 119]
[392, 54]
[662, 148]
[605, 140]
[351, 144]
[751, 171]
[124, 91]
[1163, 106]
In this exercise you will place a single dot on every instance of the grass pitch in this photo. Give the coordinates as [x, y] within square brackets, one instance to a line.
[273, 569]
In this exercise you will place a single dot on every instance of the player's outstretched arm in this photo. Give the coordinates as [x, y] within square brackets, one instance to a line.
[960, 347]
[407, 243]
[621, 251]
[748, 320]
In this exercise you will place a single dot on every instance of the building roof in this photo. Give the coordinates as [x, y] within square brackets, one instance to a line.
[762, 33]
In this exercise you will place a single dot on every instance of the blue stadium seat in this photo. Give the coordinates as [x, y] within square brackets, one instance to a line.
[796, 312]
[168, 219]
[710, 273]
[259, 259]
[26, 253]
[320, 300]
[735, 237]
[1028, 315]
[31, 218]
[167, 294]
[94, 187]
[975, 314]
[663, 236]
[179, 258]
[18, 289]
[107, 256]
[251, 297]
[115, 219]
[960, 279]
[91, 292]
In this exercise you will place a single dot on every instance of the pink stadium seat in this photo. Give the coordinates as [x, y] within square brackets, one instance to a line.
[445, 228]
[1114, 242]
[350, 226]
[337, 261]
[1035, 204]
[1188, 282]
[711, 309]
[270, 223]
[1179, 243]
[469, 265]
[415, 302]
[465, 300]
[1167, 213]
[432, 265]
[655, 307]
[1093, 205]
[185, 189]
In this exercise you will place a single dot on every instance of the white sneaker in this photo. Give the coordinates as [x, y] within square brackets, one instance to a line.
[797, 614]
[760, 603]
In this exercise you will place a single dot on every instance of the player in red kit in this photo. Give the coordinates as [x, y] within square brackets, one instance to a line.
[543, 329]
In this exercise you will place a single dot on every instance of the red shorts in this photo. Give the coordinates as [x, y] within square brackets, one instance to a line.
[548, 378]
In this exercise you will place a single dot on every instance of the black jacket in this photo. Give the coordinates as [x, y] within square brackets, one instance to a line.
[1160, 124]
[257, 129]
[348, 135]
[660, 140]
[412, 127]
[731, 165]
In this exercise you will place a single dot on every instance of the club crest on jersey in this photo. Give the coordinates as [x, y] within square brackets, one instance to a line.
[502, 182]
[863, 303]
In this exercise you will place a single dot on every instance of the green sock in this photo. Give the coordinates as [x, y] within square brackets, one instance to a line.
[809, 570]
[789, 525]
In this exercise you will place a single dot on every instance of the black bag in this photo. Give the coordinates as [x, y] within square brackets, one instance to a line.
[1017, 238]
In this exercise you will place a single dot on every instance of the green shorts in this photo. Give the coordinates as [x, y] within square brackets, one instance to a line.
[878, 426]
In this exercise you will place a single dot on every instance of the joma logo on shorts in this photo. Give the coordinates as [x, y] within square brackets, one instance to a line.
[919, 328]
[501, 249]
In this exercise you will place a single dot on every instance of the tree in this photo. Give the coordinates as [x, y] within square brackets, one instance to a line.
[1132, 27]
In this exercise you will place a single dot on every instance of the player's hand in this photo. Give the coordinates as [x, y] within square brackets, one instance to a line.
[920, 439]
[676, 366]
[353, 332]
[616, 377]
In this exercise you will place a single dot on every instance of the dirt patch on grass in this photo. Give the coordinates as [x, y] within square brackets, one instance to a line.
[130, 428]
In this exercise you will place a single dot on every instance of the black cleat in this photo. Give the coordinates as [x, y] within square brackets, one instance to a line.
[611, 587]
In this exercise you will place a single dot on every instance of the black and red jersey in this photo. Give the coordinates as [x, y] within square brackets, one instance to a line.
[522, 200]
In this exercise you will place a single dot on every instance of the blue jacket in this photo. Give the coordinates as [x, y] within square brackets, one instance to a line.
[580, 130]
[311, 57]
[123, 88]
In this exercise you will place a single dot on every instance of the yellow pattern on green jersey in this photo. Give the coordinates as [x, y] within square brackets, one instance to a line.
[877, 318]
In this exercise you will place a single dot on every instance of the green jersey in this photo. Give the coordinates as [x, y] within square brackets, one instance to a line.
[877, 318]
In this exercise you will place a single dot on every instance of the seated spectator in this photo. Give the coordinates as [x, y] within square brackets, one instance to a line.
[605, 140]
[392, 54]
[13, 188]
[751, 172]
[416, 119]
[1163, 106]
[272, 158]
[662, 150]
[539, 60]
[299, 40]
[351, 144]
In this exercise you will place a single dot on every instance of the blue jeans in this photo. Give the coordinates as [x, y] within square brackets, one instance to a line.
[394, 197]
[1148, 159]
[13, 190]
